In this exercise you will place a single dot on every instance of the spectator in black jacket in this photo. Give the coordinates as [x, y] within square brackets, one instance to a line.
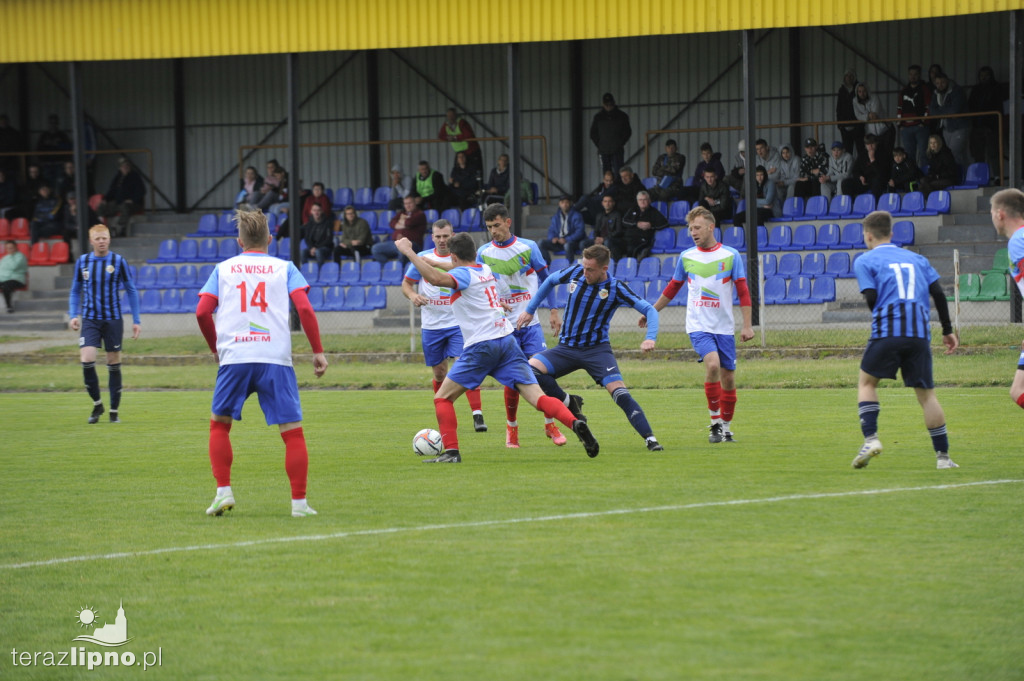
[640, 224]
[905, 173]
[986, 95]
[625, 194]
[319, 236]
[914, 100]
[851, 134]
[607, 226]
[498, 182]
[126, 196]
[609, 132]
[464, 181]
[813, 166]
[590, 205]
[709, 158]
[714, 195]
[870, 173]
[942, 169]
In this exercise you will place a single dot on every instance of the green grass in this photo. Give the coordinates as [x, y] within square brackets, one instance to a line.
[397, 579]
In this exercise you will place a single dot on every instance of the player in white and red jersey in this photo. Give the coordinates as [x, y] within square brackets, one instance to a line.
[712, 271]
[520, 264]
[490, 348]
[252, 342]
[439, 332]
[1008, 219]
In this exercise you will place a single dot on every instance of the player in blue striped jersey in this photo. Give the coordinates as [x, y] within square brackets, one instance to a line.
[1008, 219]
[896, 284]
[94, 306]
[583, 341]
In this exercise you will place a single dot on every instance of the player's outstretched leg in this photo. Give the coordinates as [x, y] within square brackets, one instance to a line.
[220, 462]
[296, 464]
[552, 408]
[637, 418]
[448, 424]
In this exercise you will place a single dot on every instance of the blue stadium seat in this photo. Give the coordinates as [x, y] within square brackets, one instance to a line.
[774, 290]
[558, 264]
[828, 237]
[431, 215]
[780, 238]
[349, 273]
[650, 182]
[207, 226]
[334, 299]
[167, 276]
[316, 297]
[816, 207]
[363, 199]
[799, 290]
[328, 274]
[471, 220]
[343, 196]
[762, 238]
[677, 211]
[903, 233]
[146, 277]
[889, 202]
[228, 248]
[168, 251]
[392, 272]
[664, 240]
[381, 197]
[452, 215]
[838, 265]
[789, 265]
[938, 203]
[188, 250]
[272, 248]
[661, 207]
[977, 175]
[823, 290]
[170, 301]
[735, 237]
[273, 221]
[792, 210]
[284, 245]
[862, 205]
[371, 219]
[814, 265]
[804, 237]
[852, 236]
[189, 300]
[561, 295]
[428, 241]
[740, 209]
[668, 267]
[383, 225]
[769, 265]
[840, 207]
[150, 301]
[377, 298]
[226, 224]
[683, 241]
[648, 269]
[310, 270]
[204, 273]
[355, 298]
[681, 298]
[369, 273]
[653, 291]
[625, 269]
[912, 202]
[188, 277]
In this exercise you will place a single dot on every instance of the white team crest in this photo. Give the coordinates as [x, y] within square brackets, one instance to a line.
[602, 294]
[110, 269]
[85, 274]
[572, 287]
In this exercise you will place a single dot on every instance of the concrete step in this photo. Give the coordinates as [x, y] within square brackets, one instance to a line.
[26, 320]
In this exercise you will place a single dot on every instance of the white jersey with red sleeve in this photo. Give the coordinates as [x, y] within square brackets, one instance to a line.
[1016, 253]
[476, 303]
[253, 291]
[437, 313]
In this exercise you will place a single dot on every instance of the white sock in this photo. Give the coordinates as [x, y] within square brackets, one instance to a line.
[298, 504]
[547, 420]
[478, 412]
[512, 424]
[224, 491]
[726, 426]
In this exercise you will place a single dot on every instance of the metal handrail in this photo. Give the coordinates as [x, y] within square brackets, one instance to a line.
[389, 143]
[120, 152]
[816, 124]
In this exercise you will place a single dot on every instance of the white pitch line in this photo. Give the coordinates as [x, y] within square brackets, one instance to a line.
[490, 523]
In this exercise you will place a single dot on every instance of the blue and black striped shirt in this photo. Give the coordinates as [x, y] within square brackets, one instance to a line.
[95, 292]
[901, 280]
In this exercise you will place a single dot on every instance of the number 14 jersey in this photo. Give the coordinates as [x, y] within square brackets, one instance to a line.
[252, 291]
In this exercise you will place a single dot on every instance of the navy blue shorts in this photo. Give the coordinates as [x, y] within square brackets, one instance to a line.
[500, 358]
[109, 331]
[274, 384]
[912, 356]
[440, 344]
[596, 360]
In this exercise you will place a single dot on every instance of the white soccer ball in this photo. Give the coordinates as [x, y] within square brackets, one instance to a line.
[428, 442]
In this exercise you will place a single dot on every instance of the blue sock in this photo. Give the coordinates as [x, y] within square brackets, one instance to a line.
[868, 418]
[92, 381]
[940, 441]
[634, 413]
[549, 385]
[114, 372]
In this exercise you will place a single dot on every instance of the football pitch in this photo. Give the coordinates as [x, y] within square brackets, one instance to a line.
[769, 558]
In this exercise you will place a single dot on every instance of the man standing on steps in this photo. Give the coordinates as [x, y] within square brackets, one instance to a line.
[94, 307]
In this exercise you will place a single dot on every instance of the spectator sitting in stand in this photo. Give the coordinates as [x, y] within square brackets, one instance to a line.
[30, 190]
[355, 239]
[840, 164]
[668, 168]
[429, 191]
[590, 205]
[948, 98]
[457, 130]
[765, 198]
[317, 198]
[789, 173]
[640, 224]
[8, 193]
[13, 273]
[250, 187]
[942, 170]
[769, 158]
[566, 231]
[401, 187]
[708, 159]
[735, 178]
[870, 174]
[813, 165]
[410, 223]
[464, 182]
[126, 195]
[272, 188]
[70, 227]
[46, 217]
[905, 173]
[625, 193]
[715, 196]
[319, 236]
[498, 183]
[986, 95]
[607, 226]
[66, 181]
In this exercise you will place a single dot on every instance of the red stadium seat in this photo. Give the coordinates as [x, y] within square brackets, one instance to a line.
[39, 254]
[19, 228]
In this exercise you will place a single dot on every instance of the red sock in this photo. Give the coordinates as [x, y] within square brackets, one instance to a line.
[474, 398]
[554, 409]
[713, 391]
[220, 452]
[296, 460]
[728, 405]
[511, 404]
[447, 422]
[1020, 401]
[437, 385]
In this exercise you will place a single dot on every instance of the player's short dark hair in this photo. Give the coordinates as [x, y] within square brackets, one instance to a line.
[701, 212]
[598, 253]
[1009, 200]
[463, 247]
[495, 211]
[252, 227]
[440, 224]
[879, 223]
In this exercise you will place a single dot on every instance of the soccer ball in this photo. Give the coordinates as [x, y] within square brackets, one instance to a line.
[428, 442]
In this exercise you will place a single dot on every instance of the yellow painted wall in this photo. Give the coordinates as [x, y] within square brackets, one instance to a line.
[91, 30]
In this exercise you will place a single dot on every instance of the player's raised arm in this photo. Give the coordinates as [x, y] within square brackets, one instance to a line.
[427, 270]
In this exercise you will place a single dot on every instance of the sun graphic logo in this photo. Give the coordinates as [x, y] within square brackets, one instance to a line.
[109, 635]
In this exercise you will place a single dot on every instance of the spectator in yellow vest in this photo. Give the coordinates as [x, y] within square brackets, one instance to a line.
[457, 131]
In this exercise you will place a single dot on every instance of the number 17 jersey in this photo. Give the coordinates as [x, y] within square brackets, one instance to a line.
[901, 279]
[252, 291]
